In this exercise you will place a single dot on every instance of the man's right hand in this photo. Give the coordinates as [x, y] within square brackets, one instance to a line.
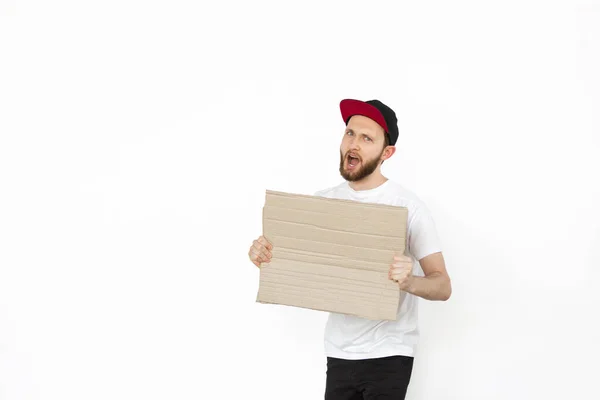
[260, 251]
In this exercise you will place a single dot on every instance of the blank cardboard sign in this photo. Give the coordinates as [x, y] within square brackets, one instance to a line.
[332, 255]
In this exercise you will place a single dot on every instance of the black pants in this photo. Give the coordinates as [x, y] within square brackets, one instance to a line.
[378, 378]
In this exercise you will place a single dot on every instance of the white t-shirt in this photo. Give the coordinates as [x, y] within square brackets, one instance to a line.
[351, 337]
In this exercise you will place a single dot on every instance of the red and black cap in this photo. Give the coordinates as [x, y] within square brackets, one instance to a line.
[374, 109]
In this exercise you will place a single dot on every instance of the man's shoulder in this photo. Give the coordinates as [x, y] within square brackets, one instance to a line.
[331, 190]
[402, 193]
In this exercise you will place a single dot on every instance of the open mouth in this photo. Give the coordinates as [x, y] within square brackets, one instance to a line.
[353, 161]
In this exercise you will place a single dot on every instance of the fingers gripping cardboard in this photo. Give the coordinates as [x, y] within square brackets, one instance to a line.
[332, 255]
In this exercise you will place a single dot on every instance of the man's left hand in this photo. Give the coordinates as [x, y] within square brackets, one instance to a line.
[401, 271]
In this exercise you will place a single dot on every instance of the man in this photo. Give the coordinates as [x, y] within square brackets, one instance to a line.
[374, 359]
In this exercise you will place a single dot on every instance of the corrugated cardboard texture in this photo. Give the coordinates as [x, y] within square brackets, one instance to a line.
[332, 255]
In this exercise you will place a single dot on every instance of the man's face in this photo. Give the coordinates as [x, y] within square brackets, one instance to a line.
[361, 149]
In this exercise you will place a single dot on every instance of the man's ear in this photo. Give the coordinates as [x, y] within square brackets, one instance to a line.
[388, 152]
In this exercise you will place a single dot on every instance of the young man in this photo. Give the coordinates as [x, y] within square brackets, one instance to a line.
[374, 359]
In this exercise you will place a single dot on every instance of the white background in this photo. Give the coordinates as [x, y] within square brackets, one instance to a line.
[137, 139]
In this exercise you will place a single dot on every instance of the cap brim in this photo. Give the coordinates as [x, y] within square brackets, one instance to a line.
[350, 107]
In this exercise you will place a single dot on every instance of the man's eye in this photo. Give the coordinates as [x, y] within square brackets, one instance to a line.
[368, 139]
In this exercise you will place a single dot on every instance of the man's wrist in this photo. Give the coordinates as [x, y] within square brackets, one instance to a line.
[409, 285]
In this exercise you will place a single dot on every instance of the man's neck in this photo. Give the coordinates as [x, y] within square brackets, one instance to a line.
[370, 182]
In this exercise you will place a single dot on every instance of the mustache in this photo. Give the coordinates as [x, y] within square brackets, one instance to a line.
[354, 155]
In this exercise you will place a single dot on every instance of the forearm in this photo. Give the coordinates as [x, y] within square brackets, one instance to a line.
[435, 286]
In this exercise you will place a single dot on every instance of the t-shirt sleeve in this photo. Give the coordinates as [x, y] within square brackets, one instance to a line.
[423, 238]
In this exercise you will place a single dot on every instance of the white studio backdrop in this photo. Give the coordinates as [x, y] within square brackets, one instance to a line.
[137, 140]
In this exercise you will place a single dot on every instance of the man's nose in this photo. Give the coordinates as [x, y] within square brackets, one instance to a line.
[354, 144]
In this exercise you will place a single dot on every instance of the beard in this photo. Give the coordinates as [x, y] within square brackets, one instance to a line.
[366, 168]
